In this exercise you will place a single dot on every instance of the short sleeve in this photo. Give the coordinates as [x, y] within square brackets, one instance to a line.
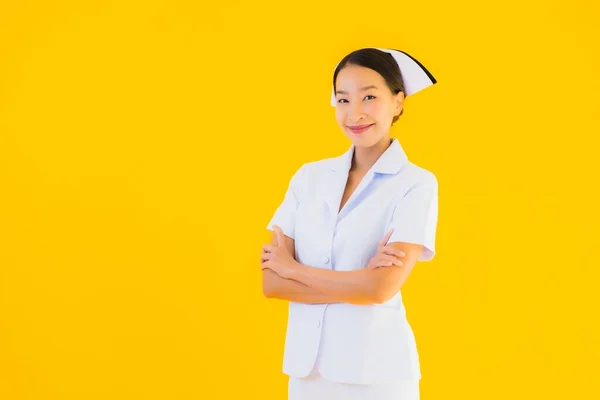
[285, 215]
[415, 218]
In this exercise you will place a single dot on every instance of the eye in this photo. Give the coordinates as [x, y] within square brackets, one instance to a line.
[344, 100]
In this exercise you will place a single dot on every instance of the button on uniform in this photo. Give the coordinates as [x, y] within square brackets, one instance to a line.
[325, 259]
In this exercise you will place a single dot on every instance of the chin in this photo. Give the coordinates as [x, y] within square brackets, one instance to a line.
[366, 138]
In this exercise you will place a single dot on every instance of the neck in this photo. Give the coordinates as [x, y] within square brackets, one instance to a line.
[365, 157]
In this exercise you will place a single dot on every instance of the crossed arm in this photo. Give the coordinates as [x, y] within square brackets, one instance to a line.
[364, 286]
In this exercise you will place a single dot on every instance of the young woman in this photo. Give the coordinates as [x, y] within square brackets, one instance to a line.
[345, 238]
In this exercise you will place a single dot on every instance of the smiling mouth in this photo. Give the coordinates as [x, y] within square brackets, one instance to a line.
[360, 128]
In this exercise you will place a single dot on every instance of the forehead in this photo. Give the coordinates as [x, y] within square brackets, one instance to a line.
[352, 77]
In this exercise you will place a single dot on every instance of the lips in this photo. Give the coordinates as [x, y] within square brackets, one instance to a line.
[359, 128]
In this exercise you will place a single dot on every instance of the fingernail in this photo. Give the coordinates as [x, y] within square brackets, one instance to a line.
[398, 263]
[402, 254]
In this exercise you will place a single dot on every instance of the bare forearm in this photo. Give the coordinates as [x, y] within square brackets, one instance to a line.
[361, 286]
[274, 286]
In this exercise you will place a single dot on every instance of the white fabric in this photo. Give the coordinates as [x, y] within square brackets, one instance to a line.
[414, 77]
[355, 344]
[317, 388]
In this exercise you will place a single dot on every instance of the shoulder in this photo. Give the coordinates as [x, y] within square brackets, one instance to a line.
[412, 178]
[318, 167]
[309, 176]
[313, 169]
[309, 173]
[418, 175]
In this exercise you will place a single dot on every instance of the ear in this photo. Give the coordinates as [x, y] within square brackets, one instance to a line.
[398, 103]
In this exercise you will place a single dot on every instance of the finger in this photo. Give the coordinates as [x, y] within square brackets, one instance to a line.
[268, 248]
[392, 251]
[380, 262]
[384, 263]
[275, 233]
[386, 257]
[279, 235]
[264, 265]
[391, 260]
[389, 263]
[385, 239]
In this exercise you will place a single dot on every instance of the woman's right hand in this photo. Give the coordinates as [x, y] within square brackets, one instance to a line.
[386, 256]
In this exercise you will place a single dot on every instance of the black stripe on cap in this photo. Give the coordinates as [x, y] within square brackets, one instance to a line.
[433, 80]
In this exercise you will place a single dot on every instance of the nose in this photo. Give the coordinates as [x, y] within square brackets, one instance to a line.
[355, 113]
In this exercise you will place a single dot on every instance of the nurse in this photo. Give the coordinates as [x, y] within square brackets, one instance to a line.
[347, 235]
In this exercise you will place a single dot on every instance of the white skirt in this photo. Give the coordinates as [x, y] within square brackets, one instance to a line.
[317, 388]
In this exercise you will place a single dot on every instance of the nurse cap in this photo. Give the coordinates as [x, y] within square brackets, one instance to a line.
[414, 75]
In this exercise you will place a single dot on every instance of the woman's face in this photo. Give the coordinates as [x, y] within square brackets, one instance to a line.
[363, 98]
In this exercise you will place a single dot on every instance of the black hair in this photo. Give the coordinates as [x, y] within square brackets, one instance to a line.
[381, 62]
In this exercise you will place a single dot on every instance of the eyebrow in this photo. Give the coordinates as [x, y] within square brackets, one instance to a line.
[361, 89]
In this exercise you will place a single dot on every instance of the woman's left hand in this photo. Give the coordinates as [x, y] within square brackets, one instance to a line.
[278, 258]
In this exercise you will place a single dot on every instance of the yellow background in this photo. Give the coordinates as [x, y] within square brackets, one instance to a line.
[144, 146]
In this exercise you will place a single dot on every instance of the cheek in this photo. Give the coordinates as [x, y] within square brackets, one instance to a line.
[340, 116]
[380, 112]
[376, 111]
